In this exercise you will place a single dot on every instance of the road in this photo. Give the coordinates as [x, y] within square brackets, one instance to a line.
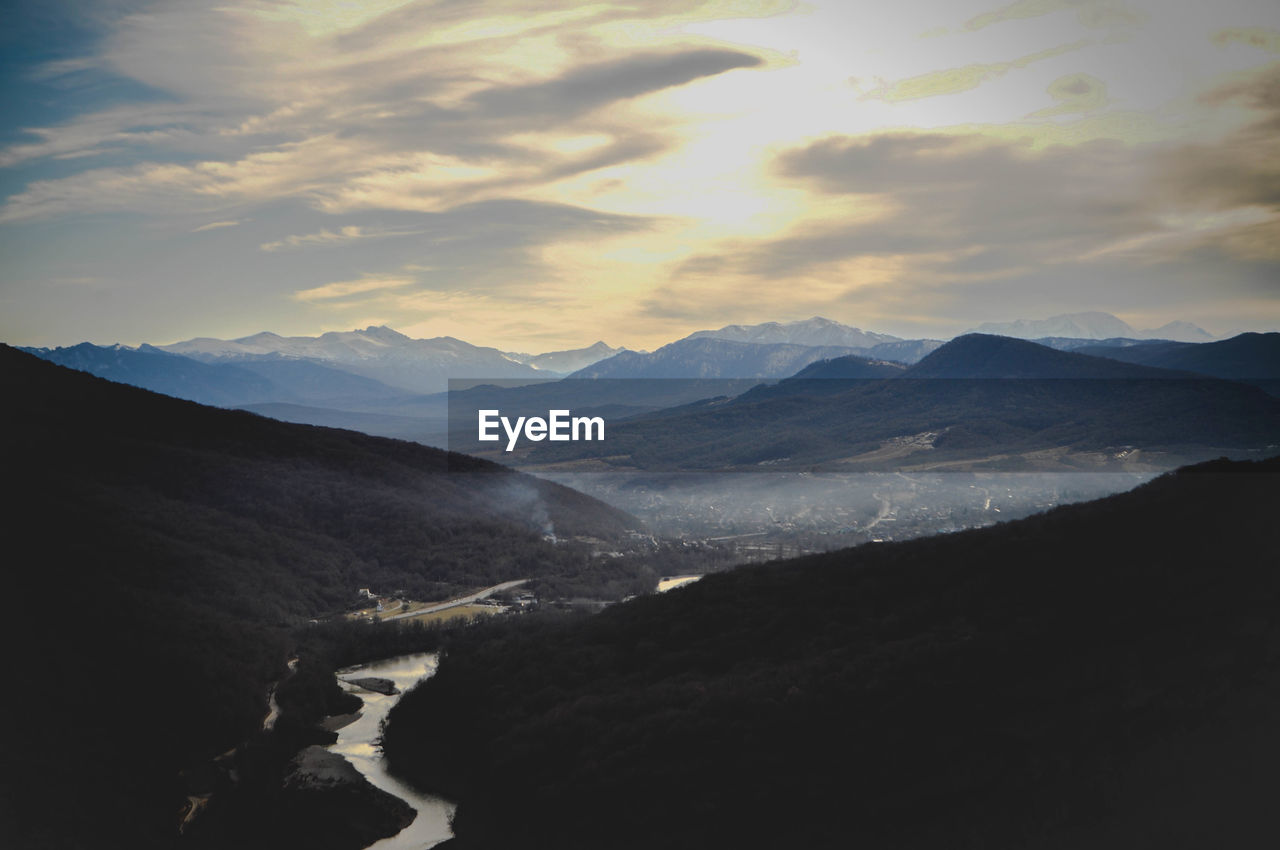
[463, 600]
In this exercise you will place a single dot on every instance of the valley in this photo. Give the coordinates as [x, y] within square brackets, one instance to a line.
[215, 545]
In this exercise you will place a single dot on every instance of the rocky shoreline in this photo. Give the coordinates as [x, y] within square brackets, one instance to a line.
[335, 805]
[377, 685]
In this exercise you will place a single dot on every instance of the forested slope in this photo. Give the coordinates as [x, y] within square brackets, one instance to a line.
[158, 553]
[1104, 674]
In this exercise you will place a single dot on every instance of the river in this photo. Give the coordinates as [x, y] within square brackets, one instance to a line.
[358, 742]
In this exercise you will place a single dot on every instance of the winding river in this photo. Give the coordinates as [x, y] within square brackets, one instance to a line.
[358, 742]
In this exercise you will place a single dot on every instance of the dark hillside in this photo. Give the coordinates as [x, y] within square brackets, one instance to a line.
[158, 554]
[826, 377]
[847, 367]
[987, 357]
[1105, 674]
[1249, 357]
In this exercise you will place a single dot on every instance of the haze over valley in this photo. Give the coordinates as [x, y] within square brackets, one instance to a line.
[659, 397]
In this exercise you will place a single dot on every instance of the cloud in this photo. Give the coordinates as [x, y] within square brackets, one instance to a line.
[135, 127]
[1241, 171]
[172, 187]
[1259, 89]
[1262, 38]
[341, 236]
[1090, 13]
[955, 80]
[349, 136]
[1076, 94]
[492, 249]
[214, 225]
[345, 288]
[564, 163]
[589, 87]
[956, 215]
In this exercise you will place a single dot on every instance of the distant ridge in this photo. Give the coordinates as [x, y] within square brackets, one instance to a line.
[565, 362]
[985, 356]
[245, 380]
[1091, 325]
[1242, 357]
[710, 357]
[1253, 358]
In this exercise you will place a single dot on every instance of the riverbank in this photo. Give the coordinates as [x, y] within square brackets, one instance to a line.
[1081, 678]
[359, 742]
[258, 802]
[336, 805]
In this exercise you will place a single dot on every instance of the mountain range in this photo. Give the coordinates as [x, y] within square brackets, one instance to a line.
[1091, 325]
[416, 365]
[231, 382]
[388, 356]
[386, 383]
[977, 402]
[375, 380]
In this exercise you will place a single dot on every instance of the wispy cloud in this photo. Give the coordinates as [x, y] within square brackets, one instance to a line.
[214, 225]
[1090, 13]
[1263, 38]
[1076, 94]
[654, 165]
[346, 288]
[341, 236]
[316, 106]
[955, 80]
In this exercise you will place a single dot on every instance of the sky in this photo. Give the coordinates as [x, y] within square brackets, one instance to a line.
[536, 176]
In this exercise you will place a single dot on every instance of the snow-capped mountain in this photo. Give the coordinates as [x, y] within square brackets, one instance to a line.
[811, 332]
[378, 352]
[1091, 325]
[564, 362]
[1179, 332]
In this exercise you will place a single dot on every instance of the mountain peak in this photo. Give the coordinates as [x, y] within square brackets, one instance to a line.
[382, 332]
[814, 331]
[1093, 324]
[1180, 332]
[566, 362]
[260, 337]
